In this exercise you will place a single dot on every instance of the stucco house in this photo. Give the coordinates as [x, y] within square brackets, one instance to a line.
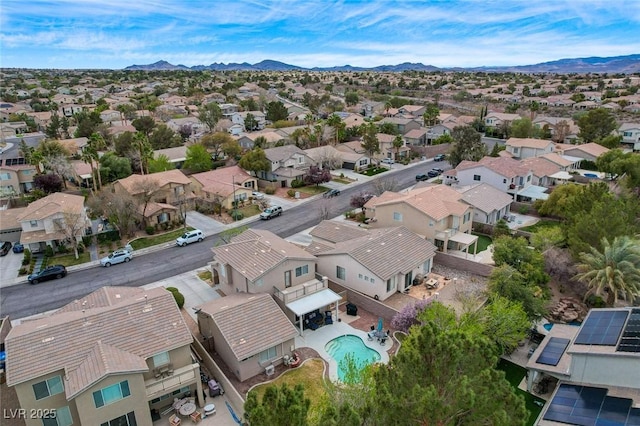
[387, 150]
[416, 137]
[51, 220]
[224, 185]
[240, 117]
[176, 155]
[416, 111]
[586, 151]
[111, 358]
[402, 125]
[489, 203]
[527, 147]
[435, 212]
[497, 119]
[247, 140]
[249, 332]
[542, 170]
[288, 163]
[630, 135]
[16, 179]
[376, 262]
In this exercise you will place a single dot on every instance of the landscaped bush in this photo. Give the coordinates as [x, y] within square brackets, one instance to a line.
[523, 209]
[150, 230]
[179, 297]
[48, 252]
[22, 271]
[270, 190]
[27, 257]
[594, 301]
[291, 193]
[62, 249]
[113, 235]
[237, 215]
[297, 183]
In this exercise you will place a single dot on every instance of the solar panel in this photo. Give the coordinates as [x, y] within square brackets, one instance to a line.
[630, 340]
[552, 353]
[588, 406]
[602, 328]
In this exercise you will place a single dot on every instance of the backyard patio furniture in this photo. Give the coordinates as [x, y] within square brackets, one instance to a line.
[209, 410]
[328, 319]
[352, 309]
[196, 416]
[174, 420]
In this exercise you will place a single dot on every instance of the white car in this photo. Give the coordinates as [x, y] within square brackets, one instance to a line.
[194, 236]
[388, 161]
[118, 256]
[257, 195]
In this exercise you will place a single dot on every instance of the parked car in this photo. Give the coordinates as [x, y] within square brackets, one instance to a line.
[367, 197]
[440, 157]
[18, 248]
[257, 195]
[433, 173]
[421, 177]
[388, 161]
[4, 248]
[48, 273]
[189, 237]
[118, 256]
[270, 212]
[437, 169]
[331, 193]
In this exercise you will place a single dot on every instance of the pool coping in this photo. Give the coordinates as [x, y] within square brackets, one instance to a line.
[317, 340]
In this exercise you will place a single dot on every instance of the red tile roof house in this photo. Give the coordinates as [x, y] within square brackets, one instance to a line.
[224, 185]
[108, 359]
[288, 163]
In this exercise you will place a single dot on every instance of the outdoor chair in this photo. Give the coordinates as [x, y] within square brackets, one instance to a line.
[328, 319]
[174, 420]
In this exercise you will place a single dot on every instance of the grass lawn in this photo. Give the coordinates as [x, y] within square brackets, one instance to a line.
[250, 210]
[69, 259]
[309, 375]
[483, 242]
[374, 171]
[542, 224]
[514, 375]
[153, 240]
[312, 189]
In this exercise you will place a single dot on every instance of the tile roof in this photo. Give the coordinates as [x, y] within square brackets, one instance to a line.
[540, 166]
[255, 252]
[135, 321]
[334, 231]
[504, 166]
[591, 148]
[387, 251]
[529, 143]
[177, 153]
[162, 178]
[9, 218]
[485, 197]
[250, 323]
[51, 204]
[352, 146]
[558, 159]
[282, 153]
[221, 181]
[436, 201]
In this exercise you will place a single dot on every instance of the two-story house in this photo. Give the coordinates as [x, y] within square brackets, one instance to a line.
[111, 358]
[435, 212]
[594, 368]
[375, 262]
[497, 119]
[288, 163]
[160, 194]
[387, 150]
[224, 185]
[630, 135]
[240, 118]
[586, 151]
[522, 148]
[51, 220]
[416, 111]
[16, 179]
[489, 203]
[402, 125]
[542, 170]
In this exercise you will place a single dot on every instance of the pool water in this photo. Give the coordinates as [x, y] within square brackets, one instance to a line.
[548, 326]
[351, 345]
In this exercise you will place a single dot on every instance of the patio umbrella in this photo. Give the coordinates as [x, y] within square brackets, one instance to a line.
[233, 413]
[380, 324]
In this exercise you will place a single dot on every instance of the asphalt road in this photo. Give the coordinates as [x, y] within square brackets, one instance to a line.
[24, 299]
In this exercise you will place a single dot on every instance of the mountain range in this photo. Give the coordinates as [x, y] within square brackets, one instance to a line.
[616, 64]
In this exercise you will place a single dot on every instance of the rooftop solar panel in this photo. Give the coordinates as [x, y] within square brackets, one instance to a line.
[630, 339]
[552, 353]
[602, 328]
[589, 406]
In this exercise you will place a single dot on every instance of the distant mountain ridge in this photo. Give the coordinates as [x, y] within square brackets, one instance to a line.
[616, 64]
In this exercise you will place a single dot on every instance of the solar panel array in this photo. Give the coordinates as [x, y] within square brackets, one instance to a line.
[630, 340]
[602, 328]
[552, 353]
[588, 406]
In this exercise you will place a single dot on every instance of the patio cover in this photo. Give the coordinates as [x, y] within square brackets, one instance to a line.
[313, 301]
[562, 175]
[534, 192]
[463, 238]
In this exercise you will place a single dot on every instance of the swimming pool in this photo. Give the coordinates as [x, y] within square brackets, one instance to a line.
[548, 326]
[352, 345]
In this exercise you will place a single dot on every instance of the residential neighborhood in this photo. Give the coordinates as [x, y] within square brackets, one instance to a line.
[348, 227]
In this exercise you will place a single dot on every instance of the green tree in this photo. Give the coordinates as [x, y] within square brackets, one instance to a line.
[430, 116]
[522, 128]
[163, 137]
[198, 159]
[615, 270]
[596, 124]
[32, 156]
[87, 123]
[501, 228]
[443, 376]
[497, 148]
[388, 129]
[559, 202]
[231, 148]
[160, 163]
[53, 129]
[467, 145]
[351, 98]
[444, 138]
[625, 165]
[506, 281]
[280, 406]
[336, 122]
[144, 125]
[210, 114]
[611, 141]
[545, 238]
[398, 143]
[214, 142]
[250, 122]
[504, 322]
[276, 111]
[143, 151]
[255, 161]
[113, 167]
[370, 141]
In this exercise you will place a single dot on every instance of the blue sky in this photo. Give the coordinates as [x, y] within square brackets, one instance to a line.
[117, 33]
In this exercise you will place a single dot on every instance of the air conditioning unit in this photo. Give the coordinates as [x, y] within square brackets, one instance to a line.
[270, 370]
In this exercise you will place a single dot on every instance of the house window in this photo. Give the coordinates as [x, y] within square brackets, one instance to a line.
[33, 223]
[269, 354]
[5, 176]
[341, 274]
[426, 266]
[302, 270]
[391, 284]
[360, 276]
[179, 190]
[62, 418]
[476, 178]
[372, 281]
[397, 216]
[169, 395]
[287, 279]
[128, 419]
[466, 217]
[258, 282]
[363, 162]
[504, 181]
[529, 178]
[240, 197]
[222, 270]
[163, 217]
[47, 388]
[431, 222]
[515, 150]
[161, 359]
[111, 394]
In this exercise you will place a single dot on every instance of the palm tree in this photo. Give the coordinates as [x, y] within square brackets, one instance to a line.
[615, 270]
[336, 122]
[97, 143]
[88, 156]
[398, 143]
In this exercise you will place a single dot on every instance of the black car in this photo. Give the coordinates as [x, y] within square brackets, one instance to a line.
[48, 273]
[436, 169]
[439, 157]
[4, 248]
[331, 193]
[433, 173]
[421, 177]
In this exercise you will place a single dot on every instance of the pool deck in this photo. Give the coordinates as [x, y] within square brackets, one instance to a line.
[317, 339]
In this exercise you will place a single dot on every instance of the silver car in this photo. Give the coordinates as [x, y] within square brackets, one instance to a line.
[118, 256]
[194, 236]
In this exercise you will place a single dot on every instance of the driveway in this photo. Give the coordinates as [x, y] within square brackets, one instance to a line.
[204, 223]
[9, 266]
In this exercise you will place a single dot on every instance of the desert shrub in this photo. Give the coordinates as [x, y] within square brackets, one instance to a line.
[48, 252]
[297, 183]
[22, 271]
[27, 257]
[270, 190]
[594, 301]
[150, 230]
[237, 215]
[523, 209]
[291, 193]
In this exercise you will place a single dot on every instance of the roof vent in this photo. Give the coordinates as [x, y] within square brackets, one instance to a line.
[48, 339]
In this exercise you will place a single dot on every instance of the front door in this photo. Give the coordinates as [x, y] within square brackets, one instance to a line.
[408, 280]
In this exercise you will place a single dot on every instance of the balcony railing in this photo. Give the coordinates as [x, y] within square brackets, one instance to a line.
[182, 376]
[293, 293]
[446, 234]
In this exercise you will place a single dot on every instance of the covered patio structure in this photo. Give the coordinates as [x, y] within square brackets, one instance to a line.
[464, 241]
[313, 302]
